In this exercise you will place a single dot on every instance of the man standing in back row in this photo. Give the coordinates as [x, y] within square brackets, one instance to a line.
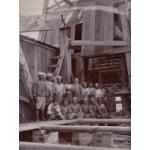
[39, 92]
[59, 89]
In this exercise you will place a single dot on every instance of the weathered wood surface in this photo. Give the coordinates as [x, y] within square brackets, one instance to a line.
[41, 146]
[26, 75]
[99, 25]
[111, 121]
[88, 129]
[97, 43]
[37, 55]
[53, 21]
[64, 62]
[37, 125]
[56, 4]
[115, 50]
[38, 43]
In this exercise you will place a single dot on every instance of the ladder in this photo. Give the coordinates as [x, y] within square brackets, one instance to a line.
[56, 62]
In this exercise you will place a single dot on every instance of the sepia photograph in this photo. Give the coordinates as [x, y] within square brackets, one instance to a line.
[74, 74]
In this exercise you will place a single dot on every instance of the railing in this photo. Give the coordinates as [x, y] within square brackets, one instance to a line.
[45, 146]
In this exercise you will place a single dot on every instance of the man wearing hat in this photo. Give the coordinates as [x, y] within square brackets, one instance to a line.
[54, 110]
[39, 92]
[49, 88]
[77, 88]
[59, 89]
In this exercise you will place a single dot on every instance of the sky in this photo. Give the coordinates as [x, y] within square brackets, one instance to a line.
[31, 7]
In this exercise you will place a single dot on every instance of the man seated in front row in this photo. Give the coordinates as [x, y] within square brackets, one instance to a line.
[54, 111]
[102, 110]
[85, 107]
[65, 109]
[75, 110]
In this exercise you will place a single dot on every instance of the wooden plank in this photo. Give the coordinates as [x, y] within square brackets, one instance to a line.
[45, 146]
[39, 23]
[36, 125]
[66, 64]
[28, 77]
[100, 30]
[97, 43]
[107, 9]
[46, 2]
[25, 99]
[38, 43]
[88, 129]
[56, 4]
[51, 21]
[124, 23]
[116, 50]
[108, 121]
[128, 64]
[118, 32]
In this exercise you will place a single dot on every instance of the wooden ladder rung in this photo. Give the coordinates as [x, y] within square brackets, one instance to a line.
[57, 57]
[53, 66]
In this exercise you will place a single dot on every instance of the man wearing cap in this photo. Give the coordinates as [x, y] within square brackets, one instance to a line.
[59, 89]
[49, 88]
[77, 88]
[39, 92]
[54, 111]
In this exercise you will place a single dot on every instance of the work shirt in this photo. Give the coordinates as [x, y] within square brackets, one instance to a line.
[85, 108]
[102, 108]
[59, 89]
[90, 91]
[84, 92]
[75, 108]
[39, 88]
[65, 110]
[93, 108]
[49, 88]
[52, 109]
[77, 90]
[68, 87]
[98, 93]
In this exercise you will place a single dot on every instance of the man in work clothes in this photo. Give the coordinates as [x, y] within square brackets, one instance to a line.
[59, 89]
[39, 92]
[77, 88]
[49, 88]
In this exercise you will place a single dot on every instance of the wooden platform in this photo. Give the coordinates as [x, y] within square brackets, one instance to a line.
[36, 125]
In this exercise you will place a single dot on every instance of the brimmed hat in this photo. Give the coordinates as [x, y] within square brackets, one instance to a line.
[49, 75]
[41, 74]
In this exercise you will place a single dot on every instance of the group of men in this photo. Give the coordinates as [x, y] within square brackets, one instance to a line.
[58, 100]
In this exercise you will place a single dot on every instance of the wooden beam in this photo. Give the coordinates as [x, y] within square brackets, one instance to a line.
[108, 9]
[88, 129]
[46, 2]
[68, 2]
[46, 146]
[36, 125]
[108, 121]
[27, 75]
[118, 32]
[97, 43]
[56, 4]
[116, 50]
[51, 22]
[39, 23]
[24, 99]
[38, 43]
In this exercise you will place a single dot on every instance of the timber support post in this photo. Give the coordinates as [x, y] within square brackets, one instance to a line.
[64, 45]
